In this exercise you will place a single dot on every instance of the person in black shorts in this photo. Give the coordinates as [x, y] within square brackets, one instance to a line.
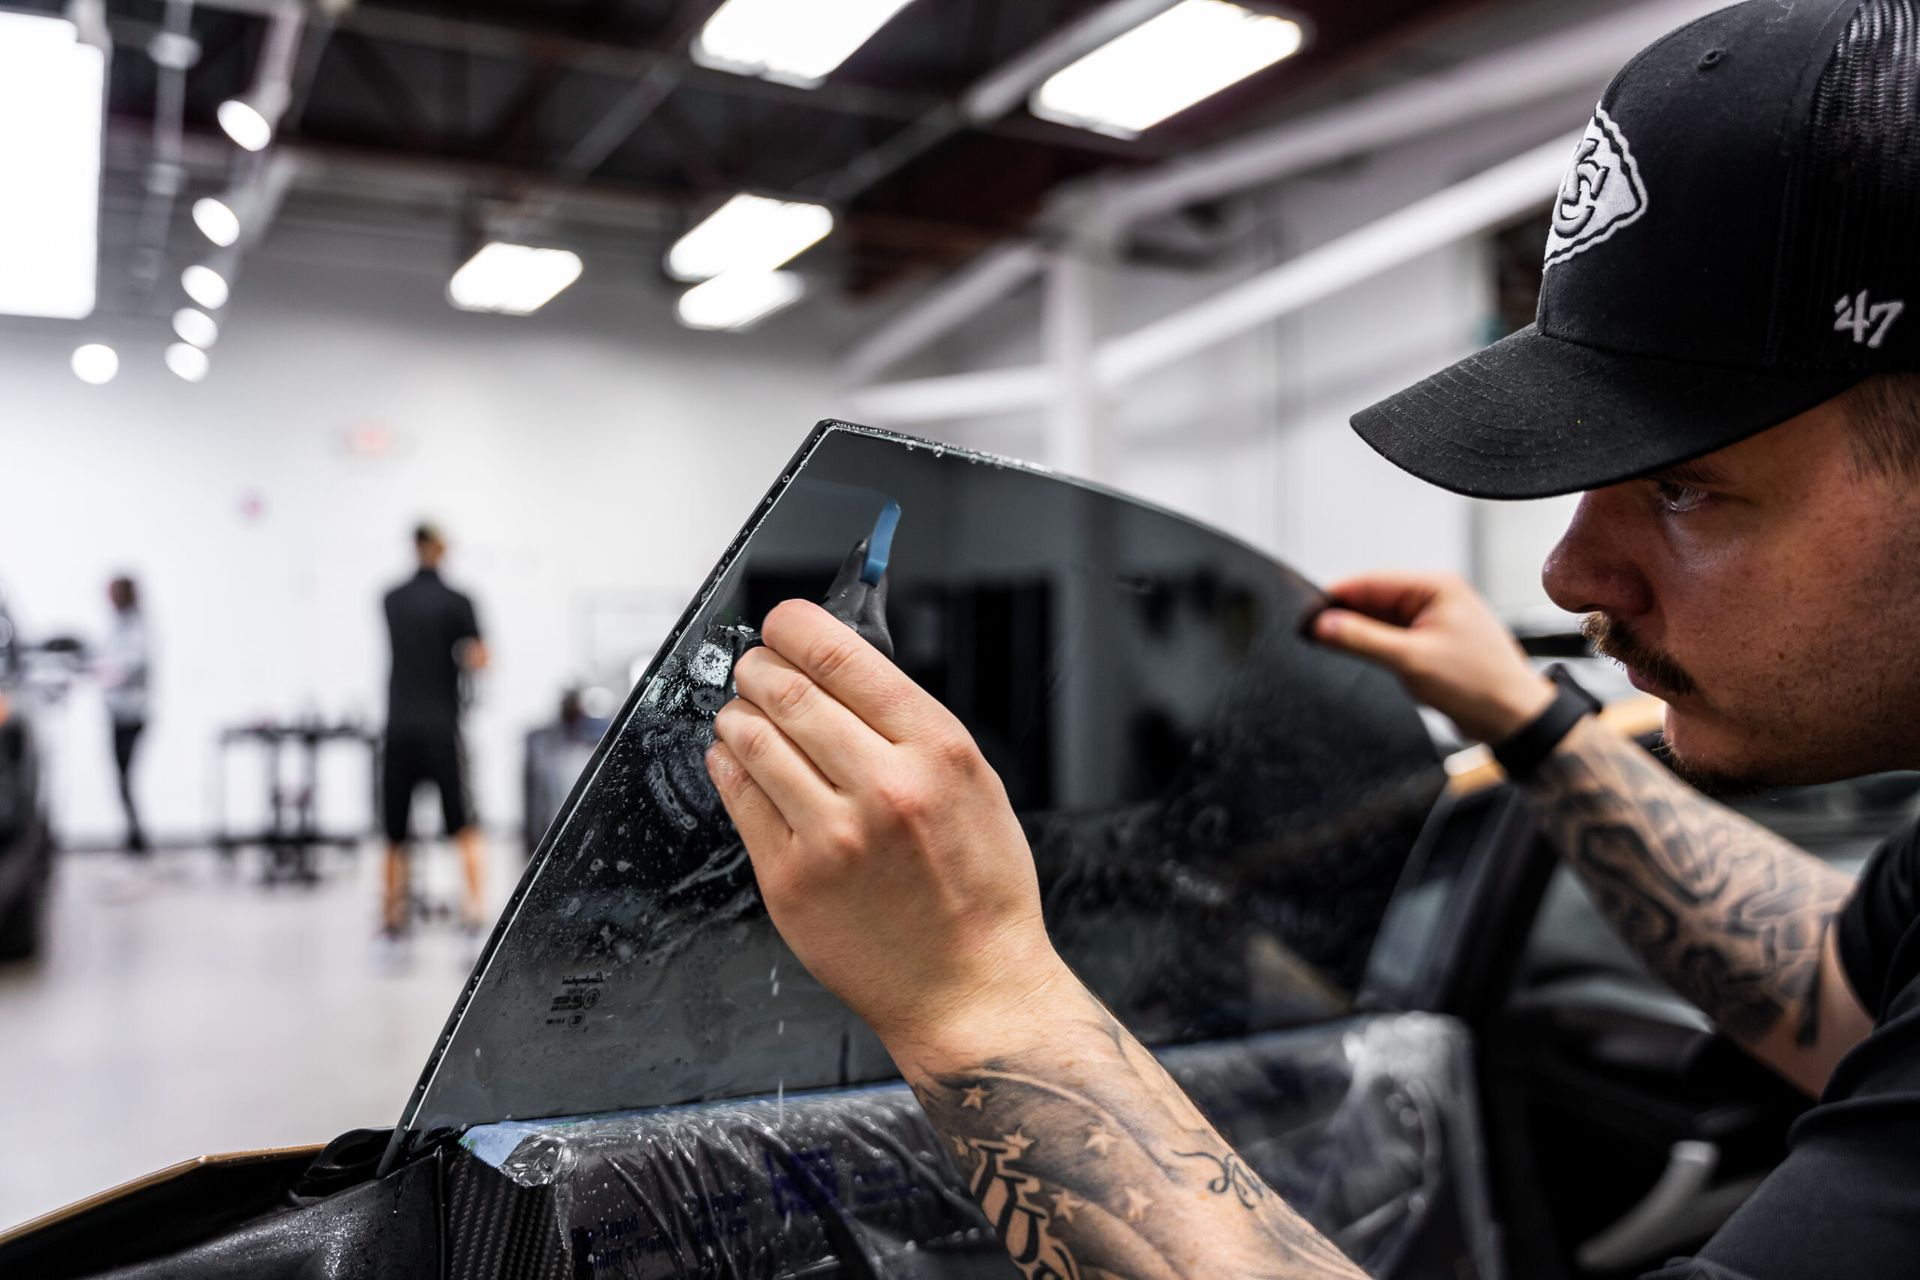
[436, 641]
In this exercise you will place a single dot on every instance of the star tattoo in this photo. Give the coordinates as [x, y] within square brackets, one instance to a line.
[1065, 1203]
[1098, 1140]
[1137, 1205]
[1017, 1141]
[974, 1096]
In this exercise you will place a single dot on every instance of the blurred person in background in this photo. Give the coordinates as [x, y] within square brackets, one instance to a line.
[122, 668]
[436, 641]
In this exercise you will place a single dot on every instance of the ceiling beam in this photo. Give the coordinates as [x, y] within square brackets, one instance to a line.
[369, 62]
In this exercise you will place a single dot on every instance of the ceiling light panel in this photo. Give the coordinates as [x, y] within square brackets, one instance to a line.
[1165, 65]
[512, 279]
[796, 42]
[739, 300]
[52, 98]
[748, 233]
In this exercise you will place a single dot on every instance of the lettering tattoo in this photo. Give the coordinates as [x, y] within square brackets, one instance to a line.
[1733, 916]
[1234, 1177]
[1091, 1163]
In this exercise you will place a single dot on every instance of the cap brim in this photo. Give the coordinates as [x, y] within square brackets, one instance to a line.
[1533, 416]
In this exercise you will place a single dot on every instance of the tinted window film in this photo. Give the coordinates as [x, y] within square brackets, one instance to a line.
[1219, 809]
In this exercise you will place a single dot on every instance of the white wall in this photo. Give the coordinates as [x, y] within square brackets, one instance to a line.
[588, 466]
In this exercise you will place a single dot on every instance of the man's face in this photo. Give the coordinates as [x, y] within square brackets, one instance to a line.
[1770, 593]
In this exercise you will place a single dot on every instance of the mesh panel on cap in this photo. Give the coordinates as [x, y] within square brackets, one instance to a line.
[1854, 225]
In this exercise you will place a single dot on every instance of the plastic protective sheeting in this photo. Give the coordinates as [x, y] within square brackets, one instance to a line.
[1219, 809]
[1366, 1126]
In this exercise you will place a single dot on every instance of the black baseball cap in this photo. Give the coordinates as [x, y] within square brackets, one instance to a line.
[1736, 241]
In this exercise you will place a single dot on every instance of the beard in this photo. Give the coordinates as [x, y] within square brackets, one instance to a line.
[1720, 784]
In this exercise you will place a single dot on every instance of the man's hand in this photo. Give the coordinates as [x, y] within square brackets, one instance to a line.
[893, 866]
[885, 848]
[1437, 634]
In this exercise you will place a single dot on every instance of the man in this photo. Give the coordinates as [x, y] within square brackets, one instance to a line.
[436, 640]
[122, 669]
[1720, 365]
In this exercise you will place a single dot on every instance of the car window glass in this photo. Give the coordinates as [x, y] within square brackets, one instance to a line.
[1219, 809]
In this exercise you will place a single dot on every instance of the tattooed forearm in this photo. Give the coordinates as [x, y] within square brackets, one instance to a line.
[1091, 1162]
[1729, 913]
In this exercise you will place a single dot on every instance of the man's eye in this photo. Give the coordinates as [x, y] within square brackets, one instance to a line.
[1680, 498]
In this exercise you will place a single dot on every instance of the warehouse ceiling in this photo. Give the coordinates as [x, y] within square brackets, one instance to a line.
[587, 121]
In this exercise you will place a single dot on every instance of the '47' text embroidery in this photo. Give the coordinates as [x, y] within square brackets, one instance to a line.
[1867, 322]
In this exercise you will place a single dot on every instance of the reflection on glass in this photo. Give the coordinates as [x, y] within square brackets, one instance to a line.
[1219, 809]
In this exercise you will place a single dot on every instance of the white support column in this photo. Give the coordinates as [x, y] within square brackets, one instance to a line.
[1078, 433]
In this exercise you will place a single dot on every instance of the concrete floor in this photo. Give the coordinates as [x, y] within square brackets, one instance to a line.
[192, 1011]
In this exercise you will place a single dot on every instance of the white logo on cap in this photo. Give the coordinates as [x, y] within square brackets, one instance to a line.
[1868, 321]
[1601, 193]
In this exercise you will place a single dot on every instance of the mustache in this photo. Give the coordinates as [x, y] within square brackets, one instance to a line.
[1615, 639]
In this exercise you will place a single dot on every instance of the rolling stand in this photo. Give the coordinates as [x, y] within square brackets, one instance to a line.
[293, 830]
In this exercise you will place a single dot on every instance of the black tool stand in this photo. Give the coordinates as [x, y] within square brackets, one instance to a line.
[293, 830]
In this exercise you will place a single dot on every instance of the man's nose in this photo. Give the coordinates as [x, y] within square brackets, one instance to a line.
[1592, 569]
